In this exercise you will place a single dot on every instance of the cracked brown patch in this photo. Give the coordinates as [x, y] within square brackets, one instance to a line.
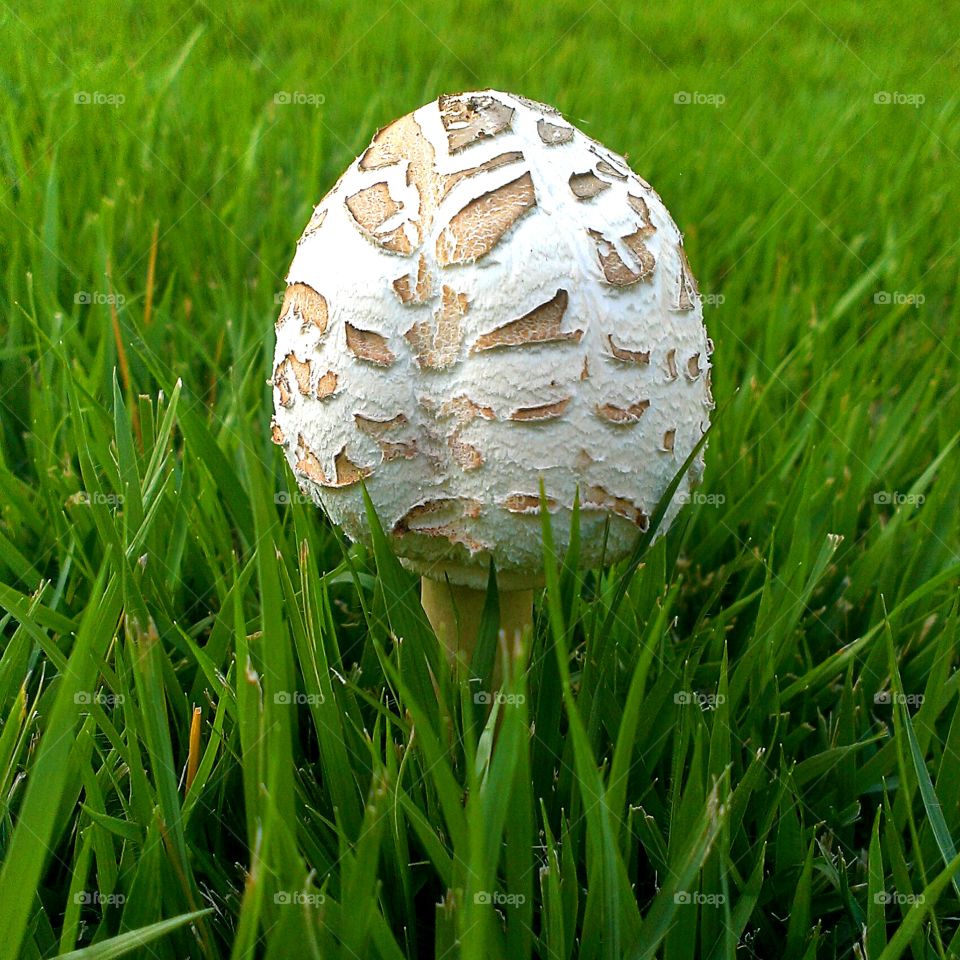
[370, 209]
[464, 410]
[437, 343]
[526, 503]
[585, 371]
[301, 300]
[615, 270]
[553, 134]
[540, 325]
[327, 385]
[469, 119]
[587, 185]
[608, 163]
[668, 439]
[672, 365]
[377, 428]
[639, 205]
[276, 434]
[465, 455]
[301, 373]
[689, 292]
[693, 367]
[346, 472]
[369, 346]
[598, 498]
[627, 356]
[611, 171]
[544, 411]
[437, 510]
[403, 450]
[412, 290]
[478, 226]
[282, 383]
[708, 399]
[622, 415]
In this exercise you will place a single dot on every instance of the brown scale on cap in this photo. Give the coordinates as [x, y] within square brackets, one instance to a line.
[276, 434]
[544, 411]
[477, 227]
[553, 134]
[615, 270]
[437, 343]
[377, 428]
[301, 300]
[668, 440]
[526, 503]
[370, 209]
[689, 292]
[639, 205]
[540, 325]
[282, 383]
[442, 518]
[622, 415]
[672, 365]
[301, 373]
[469, 119]
[598, 498]
[369, 346]
[327, 385]
[346, 472]
[587, 185]
[464, 410]
[414, 291]
[693, 367]
[627, 356]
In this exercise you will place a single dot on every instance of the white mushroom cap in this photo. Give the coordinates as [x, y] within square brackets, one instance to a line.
[489, 297]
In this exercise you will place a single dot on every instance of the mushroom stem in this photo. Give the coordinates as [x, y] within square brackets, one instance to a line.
[454, 613]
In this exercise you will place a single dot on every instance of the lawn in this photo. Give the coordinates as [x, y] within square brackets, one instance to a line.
[743, 743]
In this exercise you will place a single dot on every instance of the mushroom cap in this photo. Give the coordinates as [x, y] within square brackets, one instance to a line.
[488, 297]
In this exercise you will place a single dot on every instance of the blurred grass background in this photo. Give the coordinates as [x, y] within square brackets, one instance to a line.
[153, 188]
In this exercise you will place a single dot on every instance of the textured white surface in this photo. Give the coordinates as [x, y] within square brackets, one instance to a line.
[390, 364]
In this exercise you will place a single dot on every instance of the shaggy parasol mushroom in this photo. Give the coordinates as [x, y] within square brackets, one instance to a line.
[487, 298]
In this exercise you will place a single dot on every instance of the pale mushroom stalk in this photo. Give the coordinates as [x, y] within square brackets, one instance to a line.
[487, 304]
[455, 611]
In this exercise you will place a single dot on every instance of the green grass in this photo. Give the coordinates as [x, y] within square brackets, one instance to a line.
[756, 742]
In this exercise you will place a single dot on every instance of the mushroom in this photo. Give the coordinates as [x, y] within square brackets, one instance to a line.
[488, 299]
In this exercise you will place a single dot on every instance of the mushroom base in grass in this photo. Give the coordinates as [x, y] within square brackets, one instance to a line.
[454, 613]
[489, 300]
